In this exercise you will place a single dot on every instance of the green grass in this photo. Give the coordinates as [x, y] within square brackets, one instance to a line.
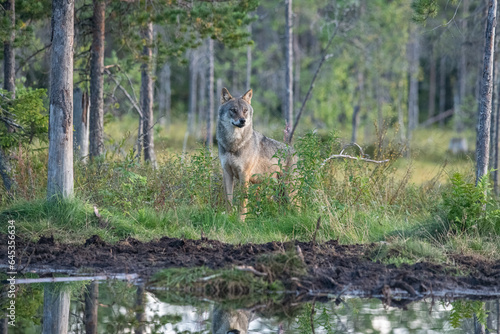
[358, 202]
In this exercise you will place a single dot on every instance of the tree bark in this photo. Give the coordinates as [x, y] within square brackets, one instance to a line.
[249, 61]
[9, 67]
[462, 71]
[97, 79]
[432, 85]
[56, 302]
[288, 105]
[211, 97]
[80, 124]
[484, 119]
[91, 304]
[147, 96]
[357, 108]
[193, 69]
[60, 163]
[414, 55]
[442, 87]
[202, 99]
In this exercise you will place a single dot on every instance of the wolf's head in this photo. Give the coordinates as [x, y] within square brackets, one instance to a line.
[237, 111]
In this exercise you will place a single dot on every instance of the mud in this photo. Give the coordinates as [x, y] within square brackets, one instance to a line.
[331, 266]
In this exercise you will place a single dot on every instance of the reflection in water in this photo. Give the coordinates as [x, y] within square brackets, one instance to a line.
[56, 302]
[122, 307]
[230, 321]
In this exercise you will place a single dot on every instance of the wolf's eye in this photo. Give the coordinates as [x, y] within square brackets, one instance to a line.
[245, 110]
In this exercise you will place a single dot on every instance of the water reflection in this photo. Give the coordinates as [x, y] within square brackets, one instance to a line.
[124, 307]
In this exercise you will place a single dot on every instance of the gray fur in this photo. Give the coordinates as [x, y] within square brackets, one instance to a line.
[245, 153]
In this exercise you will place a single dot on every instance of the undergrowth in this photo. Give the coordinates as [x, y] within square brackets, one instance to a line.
[358, 202]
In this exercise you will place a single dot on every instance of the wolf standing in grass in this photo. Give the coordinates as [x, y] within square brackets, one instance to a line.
[244, 153]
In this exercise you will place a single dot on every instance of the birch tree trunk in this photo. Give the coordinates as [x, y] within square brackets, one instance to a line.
[91, 304]
[56, 302]
[60, 163]
[147, 96]
[288, 105]
[211, 97]
[80, 124]
[484, 119]
[9, 56]
[97, 79]
[193, 69]
[202, 100]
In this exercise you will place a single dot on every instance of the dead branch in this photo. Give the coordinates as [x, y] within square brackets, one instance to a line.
[311, 86]
[345, 156]
[26, 61]
[134, 103]
[250, 269]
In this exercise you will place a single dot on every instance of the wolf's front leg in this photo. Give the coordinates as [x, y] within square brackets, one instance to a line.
[244, 186]
[228, 178]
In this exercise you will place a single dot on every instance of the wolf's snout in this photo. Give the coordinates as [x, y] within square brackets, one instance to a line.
[240, 123]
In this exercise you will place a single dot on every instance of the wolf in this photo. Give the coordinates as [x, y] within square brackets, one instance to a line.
[244, 153]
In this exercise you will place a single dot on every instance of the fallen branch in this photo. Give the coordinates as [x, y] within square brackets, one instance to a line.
[250, 269]
[345, 156]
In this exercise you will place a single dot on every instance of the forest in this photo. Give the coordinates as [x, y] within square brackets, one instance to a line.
[109, 112]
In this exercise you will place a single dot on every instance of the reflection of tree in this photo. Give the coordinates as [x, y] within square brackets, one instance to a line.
[91, 294]
[56, 300]
[140, 305]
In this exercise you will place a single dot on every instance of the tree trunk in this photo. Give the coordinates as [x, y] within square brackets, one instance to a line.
[80, 124]
[96, 79]
[202, 100]
[249, 62]
[147, 96]
[496, 125]
[56, 302]
[211, 97]
[165, 96]
[193, 69]
[413, 55]
[288, 105]
[432, 85]
[60, 163]
[462, 71]
[91, 304]
[297, 59]
[9, 65]
[484, 119]
[357, 108]
[442, 87]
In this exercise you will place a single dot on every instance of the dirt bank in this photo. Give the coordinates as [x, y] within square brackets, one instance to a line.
[331, 266]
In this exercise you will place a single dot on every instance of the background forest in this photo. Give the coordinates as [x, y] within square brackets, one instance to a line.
[400, 78]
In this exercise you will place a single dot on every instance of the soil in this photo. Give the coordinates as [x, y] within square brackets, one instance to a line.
[331, 266]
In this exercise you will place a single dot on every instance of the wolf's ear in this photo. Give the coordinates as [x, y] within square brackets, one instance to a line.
[225, 96]
[248, 96]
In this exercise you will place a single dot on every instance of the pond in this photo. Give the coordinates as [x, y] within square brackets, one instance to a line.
[130, 305]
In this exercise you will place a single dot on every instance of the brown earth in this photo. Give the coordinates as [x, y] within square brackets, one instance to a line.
[331, 266]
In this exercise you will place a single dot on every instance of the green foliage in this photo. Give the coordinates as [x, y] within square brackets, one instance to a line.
[26, 116]
[465, 309]
[468, 206]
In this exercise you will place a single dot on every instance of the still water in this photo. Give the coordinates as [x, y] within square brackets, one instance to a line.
[127, 307]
